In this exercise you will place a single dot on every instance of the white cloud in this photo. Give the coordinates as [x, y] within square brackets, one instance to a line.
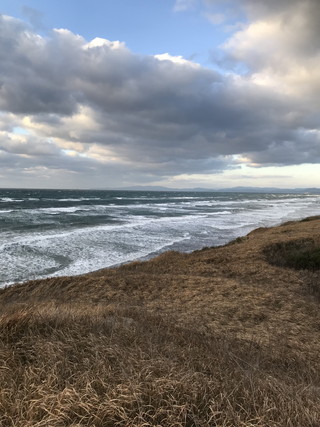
[215, 18]
[182, 5]
[99, 42]
[280, 46]
[176, 60]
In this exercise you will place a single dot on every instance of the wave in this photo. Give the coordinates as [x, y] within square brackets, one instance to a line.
[9, 200]
[183, 225]
[81, 199]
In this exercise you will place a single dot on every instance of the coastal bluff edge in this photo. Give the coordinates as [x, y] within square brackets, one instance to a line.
[223, 336]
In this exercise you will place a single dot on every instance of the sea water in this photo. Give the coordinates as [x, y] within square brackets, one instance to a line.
[69, 232]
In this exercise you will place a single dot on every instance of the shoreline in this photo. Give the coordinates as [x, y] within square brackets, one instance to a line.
[217, 335]
[56, 235]
[156, 254]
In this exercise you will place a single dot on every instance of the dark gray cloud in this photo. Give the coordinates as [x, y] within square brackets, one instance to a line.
[33, 78]
[301, 147]
[157, 117]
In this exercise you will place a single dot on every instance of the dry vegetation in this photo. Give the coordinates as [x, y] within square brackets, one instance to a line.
[226, 336]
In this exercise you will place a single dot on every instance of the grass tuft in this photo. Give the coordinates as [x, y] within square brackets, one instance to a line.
[303, 254]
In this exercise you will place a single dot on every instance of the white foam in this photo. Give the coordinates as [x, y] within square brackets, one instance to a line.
[9, 199]
[58, 210]
[185, 226]
[81, 199]
[62, 210]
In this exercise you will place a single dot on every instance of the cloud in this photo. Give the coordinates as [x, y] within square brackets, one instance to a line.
[215, 18]
[279, 46]
[96, 108]
[34, 16]
[182, 5]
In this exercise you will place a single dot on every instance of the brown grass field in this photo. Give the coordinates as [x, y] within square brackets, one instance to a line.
[226, 336]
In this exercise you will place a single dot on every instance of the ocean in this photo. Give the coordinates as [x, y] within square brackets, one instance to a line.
[47, 233]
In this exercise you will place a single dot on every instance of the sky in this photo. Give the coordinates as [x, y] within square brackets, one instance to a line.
[176, 93]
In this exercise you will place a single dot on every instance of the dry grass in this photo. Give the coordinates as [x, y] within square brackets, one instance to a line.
[220, 337]
[301, 254]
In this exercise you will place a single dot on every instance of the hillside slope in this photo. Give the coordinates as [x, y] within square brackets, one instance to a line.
[226, 336]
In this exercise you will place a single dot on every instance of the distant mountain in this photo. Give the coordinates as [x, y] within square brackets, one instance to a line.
[271, 190]
[226, 190]
[148, 188]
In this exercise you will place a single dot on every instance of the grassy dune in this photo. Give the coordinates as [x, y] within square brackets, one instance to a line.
[226, 336]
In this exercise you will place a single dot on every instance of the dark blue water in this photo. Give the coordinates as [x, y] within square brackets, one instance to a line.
[68, 232]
